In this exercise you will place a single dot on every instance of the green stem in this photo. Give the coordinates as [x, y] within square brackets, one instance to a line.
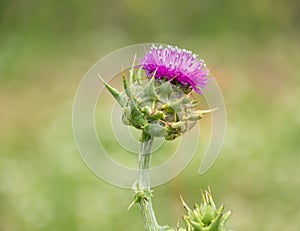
[143, 183]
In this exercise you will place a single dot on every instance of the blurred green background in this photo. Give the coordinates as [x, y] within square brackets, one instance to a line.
[251, 47]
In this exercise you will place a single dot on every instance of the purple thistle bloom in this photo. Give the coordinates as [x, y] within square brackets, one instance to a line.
[177, 65]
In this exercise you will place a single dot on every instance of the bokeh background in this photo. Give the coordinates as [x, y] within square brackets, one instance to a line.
[251, 47]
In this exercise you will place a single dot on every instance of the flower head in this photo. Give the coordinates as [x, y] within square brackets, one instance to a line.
[161, 105]
[175, 64]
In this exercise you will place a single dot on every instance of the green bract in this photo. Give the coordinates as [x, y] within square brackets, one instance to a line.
[156, 106]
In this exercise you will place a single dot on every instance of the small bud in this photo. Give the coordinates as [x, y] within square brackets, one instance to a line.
[157, 115]
[147, 111]
[136, 116]
[205, 217]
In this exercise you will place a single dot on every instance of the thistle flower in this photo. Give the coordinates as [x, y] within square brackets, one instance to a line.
[162, 105]
[175, 64]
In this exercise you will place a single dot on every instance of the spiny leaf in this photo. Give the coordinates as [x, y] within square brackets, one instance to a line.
[178, 104]
[208, 110]
[139, 75]
[131, 71]
[155, 129]
[136, 116]
[125, 84]
[137, 198]
[125, 120]
[149, 89]
[194, 116]
[214, 225]
[165, 89]
[224, 219]
[197, 226]
[115, 93]
[185, 205]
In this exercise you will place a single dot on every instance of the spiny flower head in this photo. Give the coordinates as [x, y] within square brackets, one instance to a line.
[161, 104]
[178, 65]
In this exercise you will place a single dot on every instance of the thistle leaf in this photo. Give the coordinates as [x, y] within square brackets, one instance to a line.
[136, 116]
[156, 130]
[165, 89]
[208, 110]
[178, 105]
[185, 205]
[119, 97]
[125, 120]
[149, 90]
[126, 85]
[138, 75]
[215, 224]
[137, 198]
[224, 219]
[132, 78]
[195, 116]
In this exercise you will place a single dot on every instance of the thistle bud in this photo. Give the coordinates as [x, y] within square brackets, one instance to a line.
[205, 217]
